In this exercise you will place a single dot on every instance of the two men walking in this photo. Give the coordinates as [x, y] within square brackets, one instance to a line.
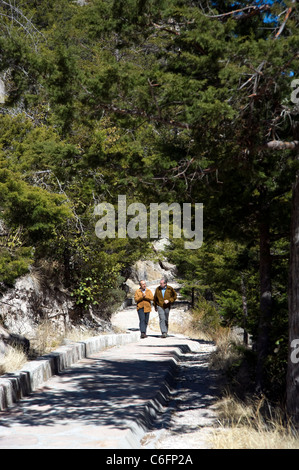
[163, 299]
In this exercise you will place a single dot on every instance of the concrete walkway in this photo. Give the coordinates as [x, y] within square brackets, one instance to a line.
[107, 400]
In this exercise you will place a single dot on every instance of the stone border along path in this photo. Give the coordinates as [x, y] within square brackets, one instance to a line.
[150, 393]
[17, 385]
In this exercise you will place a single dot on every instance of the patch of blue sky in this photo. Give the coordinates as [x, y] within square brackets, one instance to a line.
[267, 17]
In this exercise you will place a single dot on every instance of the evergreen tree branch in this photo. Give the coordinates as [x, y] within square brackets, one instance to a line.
[284, 21]
[253, 10]
[17, 16]
[280, 145]
[140, 113]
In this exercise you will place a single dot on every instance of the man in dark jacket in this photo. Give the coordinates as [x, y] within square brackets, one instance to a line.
[164, 297]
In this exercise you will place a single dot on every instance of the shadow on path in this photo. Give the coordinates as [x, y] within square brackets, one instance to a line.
[98, 392]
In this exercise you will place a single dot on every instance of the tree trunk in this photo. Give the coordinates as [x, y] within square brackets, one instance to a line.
[245, 310]
[265, 301]
[67, 271]
[192, 297]
[293, 360]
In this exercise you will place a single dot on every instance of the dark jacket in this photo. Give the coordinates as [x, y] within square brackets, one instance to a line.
[170, 294]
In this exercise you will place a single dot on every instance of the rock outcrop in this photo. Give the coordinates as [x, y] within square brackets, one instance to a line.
[151, 270]
[24, 305]
[8, 340]
[34, 299]
[2, 91]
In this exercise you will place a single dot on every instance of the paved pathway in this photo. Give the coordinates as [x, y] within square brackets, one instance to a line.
[108, 400]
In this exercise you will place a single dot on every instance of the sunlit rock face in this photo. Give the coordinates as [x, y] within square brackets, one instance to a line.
[2, 91]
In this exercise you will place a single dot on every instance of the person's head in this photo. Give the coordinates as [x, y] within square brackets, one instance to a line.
[142, 284]
[163, 283]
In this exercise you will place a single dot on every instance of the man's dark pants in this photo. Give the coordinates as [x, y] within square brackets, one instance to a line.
[163, 318]
[143, 319]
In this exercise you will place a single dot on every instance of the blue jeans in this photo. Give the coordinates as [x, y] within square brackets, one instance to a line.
[163, 318]
[143, 319]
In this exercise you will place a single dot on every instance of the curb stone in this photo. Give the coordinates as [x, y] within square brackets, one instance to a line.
[15, 386]
[156, 406]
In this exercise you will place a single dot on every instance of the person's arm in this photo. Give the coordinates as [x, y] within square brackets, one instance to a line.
[173, 296]
[155, 300]
[138, 296]
[148, 295]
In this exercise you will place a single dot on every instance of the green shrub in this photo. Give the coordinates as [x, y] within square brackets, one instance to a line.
[205, 317]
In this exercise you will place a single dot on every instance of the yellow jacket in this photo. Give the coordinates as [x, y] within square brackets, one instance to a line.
[144, 302]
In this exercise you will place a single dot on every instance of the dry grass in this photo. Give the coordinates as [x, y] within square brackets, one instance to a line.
[189, 332]
[180, 322]
[47, 338]
[247, 438]
[245, 426]
[76, 334]
[227, 351]
[13, 360]
[249, 423]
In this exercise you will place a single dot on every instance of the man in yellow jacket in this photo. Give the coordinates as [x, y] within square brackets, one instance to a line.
[143, 297]
[164, 297]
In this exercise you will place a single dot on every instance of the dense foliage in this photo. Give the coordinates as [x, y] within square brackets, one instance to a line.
[158, 100]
